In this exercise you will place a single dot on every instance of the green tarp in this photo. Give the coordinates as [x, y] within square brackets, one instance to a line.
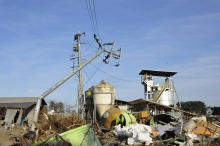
[81, 136]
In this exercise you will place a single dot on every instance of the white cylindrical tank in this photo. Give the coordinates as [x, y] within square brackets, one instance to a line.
[167, 97]
[103, 97]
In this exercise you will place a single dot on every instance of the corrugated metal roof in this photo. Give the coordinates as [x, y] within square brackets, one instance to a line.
[19, 102]
[17, 105]
[17, 99]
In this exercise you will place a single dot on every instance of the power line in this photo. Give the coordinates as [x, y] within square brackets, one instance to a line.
[96, 19]
[88, 54]
[114, 76]
[88, 42]
[89, 78]
[91, 12]
[92, 16]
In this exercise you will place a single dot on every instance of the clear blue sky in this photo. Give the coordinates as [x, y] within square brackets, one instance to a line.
[36, 40]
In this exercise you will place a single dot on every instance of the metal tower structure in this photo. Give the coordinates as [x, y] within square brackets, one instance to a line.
[163, 93]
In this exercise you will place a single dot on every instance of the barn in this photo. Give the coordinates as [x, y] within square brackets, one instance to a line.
[16, 110]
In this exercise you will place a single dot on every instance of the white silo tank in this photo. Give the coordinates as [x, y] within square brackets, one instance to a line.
[103, 97]
[167, 97]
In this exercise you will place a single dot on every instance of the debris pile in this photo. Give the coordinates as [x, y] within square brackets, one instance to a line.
[47, 127]
[108, 138]
[161, 129]
[50, 125]
[198, 130]
[62, 123]
[169, 131]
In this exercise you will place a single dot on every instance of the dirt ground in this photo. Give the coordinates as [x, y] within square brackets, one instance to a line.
[5, 139]
[9, 137]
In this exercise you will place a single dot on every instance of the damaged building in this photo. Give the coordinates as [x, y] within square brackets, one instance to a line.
[16, 110]
[152, 120]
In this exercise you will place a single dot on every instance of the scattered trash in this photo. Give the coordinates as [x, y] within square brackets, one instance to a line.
[163, 129]
[165, 118]
[189, 126]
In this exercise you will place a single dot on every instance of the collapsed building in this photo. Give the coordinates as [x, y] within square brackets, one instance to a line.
[16, 110]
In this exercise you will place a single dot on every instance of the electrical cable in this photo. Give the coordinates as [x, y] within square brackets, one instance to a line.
[97, 30]
[89, 78]
[90, 46]
[88, 54]
[114, 76]
[97, 68]
[88, 42]
[91, 12]
[90, 16]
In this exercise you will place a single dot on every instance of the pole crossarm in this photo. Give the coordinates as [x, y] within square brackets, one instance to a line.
[110, 52]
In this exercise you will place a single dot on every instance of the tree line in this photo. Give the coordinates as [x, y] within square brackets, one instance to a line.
[58, 107]
[198, 107]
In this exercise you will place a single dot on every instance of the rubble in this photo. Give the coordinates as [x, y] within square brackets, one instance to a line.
[171, 130]
[47, 126]
[194, 131]
[189, 125]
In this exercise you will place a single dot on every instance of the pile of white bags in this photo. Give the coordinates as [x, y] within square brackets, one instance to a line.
[136, 133]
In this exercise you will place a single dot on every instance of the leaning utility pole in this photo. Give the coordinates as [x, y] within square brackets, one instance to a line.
[80, 91]
[111, 53]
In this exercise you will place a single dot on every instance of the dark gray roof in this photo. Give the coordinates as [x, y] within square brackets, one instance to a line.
[19, 102]
[157, 73]
[153, 104]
